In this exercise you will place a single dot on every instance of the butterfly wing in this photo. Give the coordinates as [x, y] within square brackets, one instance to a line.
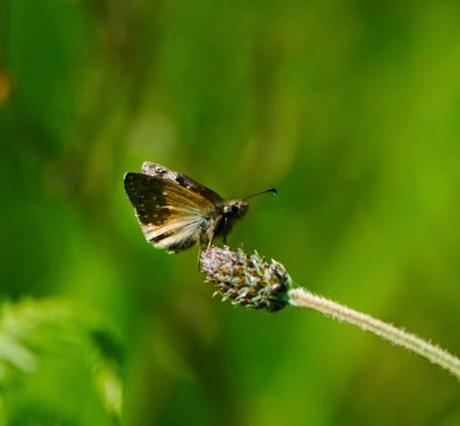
[154, 169]
[171, 215]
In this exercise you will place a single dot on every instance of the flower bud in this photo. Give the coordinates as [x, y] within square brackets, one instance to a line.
[246, 280]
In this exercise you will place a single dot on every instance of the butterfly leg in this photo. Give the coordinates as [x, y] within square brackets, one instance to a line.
[206, 239]
[225, 233]
[210, 242]
[211, 232]
[202, 244]
[199, 258]
[208, 245]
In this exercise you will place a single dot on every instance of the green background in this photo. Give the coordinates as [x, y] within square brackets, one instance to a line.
[350, 108]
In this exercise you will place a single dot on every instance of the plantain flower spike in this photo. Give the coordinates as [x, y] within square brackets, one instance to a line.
[246, 280]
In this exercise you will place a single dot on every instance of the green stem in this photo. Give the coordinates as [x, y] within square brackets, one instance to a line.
[302, 298]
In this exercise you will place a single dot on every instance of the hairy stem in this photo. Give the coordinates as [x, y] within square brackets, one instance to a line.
[302, 298]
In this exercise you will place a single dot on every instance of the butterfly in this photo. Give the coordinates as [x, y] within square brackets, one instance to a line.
[175, 212]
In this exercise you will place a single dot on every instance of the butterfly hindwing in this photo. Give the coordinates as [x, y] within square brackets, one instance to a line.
[171, 215]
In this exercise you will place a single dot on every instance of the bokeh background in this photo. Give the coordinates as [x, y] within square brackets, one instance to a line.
[350, 108]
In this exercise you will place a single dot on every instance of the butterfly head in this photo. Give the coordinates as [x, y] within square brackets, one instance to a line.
[235, 209]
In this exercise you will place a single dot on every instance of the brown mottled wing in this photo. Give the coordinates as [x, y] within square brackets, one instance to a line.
[171, 216]
[154, 169]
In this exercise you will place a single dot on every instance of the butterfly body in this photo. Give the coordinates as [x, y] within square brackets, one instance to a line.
[175, 212]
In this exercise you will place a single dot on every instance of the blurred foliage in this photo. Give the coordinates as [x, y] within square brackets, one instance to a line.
[350, 108]
[38, 335]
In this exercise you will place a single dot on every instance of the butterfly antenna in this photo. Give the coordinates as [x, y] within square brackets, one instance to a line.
[272, 190]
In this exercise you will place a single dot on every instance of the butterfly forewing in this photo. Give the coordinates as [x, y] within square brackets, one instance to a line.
[154, 169]
[171, 214]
